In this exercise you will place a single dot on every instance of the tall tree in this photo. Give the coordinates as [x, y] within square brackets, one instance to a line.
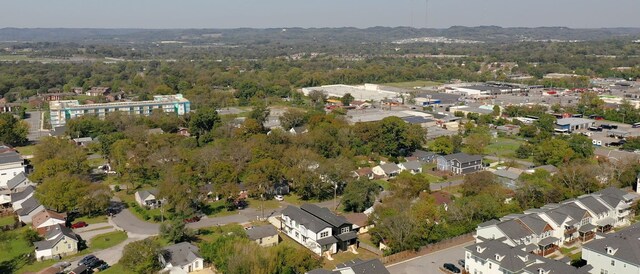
[13, 132]
[203, 121]
[346, 99]
[360, 195]
[141, 256]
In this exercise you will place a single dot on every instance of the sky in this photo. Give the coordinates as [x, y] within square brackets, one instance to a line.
[160, 14]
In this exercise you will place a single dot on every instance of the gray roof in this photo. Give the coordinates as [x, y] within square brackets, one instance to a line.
[555, 267]
[574, 121]
[593, 204]
[58, 131]
[325, 214]
[423, 154]
[358, 266]
[514, 229]
[534, 222]
[28, 206]
[15, 181]
[625, 241]
[10, 156]
[322, 271]
[514, 258]
[463, 157]
[412, 165]
[144, 194]
[390, 168]
[181, 254]
[506, 174]
[59, 230]
[571, 209]
[22, 194]
[417, 120]
[309, 221]
[260, 232]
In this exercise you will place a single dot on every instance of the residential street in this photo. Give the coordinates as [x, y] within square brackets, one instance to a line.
[130, 223]
[430, 263]
[34, 119]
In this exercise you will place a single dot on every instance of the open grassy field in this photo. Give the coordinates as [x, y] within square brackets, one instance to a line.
[503, 147]
[413, 84]
[117, 269]
[26, 150]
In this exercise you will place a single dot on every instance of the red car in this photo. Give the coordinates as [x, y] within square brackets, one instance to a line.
[192, 219]
[79, 225]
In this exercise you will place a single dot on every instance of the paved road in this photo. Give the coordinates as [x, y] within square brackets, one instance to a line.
[88, 235]
[128, 222]
[439, 186]
[430, 263]
[113, 254]
[34, 119]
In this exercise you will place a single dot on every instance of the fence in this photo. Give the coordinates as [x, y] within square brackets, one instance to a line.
[430, 248]
[372, 249]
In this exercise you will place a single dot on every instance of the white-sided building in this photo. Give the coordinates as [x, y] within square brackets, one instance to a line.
[318, 229]
[11, 164]
[181, 258]
[617, 253]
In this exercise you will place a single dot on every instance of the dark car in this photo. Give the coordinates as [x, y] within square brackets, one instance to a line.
[94, 263]
[86, 259]
[79, 225]
[103, 266]
[451, 267]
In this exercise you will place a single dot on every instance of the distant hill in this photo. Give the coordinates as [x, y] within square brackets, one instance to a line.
[300, 35]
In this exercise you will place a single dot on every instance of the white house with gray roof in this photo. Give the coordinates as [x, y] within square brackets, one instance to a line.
[414, 167]
[147, 198]
[29, 208]
[318, 229]
[617, 253]
[181, 258]
[11, 164]
[388, 170]
[544, 230]
[494, 256]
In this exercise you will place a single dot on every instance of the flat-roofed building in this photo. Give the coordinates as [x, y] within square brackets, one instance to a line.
[62, 111]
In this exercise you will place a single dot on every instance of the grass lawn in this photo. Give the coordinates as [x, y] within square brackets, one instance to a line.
[342, 257]
[503, 147]
[8, 220]
[92, 220]
[26, 150]
[295, 199]
[117, 269]
[412, 84]
[211, 233]
[218, 209]
[268, 204]
[384, 184]
[107, 240]
[15, 246]
[432, 178]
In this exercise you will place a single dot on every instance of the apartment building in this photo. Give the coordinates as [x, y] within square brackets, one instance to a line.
[62, 111]
[543, 231]
[617, 253]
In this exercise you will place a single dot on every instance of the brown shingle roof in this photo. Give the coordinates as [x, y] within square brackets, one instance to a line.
[45, 215]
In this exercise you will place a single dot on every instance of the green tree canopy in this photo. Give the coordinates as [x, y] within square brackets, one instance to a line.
[360, 195]
[141, 256]
[13, 132]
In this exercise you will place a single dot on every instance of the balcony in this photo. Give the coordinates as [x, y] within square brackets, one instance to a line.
[548, 250]
[587, 237]
[570, 231]
[571, 242]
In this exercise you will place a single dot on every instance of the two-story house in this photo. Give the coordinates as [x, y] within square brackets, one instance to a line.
[459, 163]
[318, 229]
[11, 164]
[58, 242]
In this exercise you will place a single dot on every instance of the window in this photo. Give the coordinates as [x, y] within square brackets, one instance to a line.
[604, 271]
[324, 234]
[344, 230]
[297, 234]
[489, 265]
[196, 264]
[613, 263]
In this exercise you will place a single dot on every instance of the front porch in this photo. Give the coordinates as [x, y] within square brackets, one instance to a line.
[547, 246]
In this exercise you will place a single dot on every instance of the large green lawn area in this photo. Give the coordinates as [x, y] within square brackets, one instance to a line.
[503, 147]
[107, 240]
[413, 84]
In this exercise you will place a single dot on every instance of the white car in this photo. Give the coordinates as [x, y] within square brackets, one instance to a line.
[279, 197]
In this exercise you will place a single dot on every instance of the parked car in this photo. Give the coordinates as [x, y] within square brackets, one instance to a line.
[86, 259]
[95, 263]
[79, 225]
[451, 267]
[279, 197]
[103, 266]
[192, 219]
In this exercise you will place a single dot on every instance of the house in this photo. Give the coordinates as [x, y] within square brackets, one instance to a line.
[388, 170]
[364, 172]
[318, 229]
[355, 266]
[29, 208]
[18, 183]
[265, 235]
[98, 91]
[414, 167]
[46, 220]
[459, 163]
[298, 130]
[181, 257]
[18, 198]
[494, 256]
[147, 198]
[81, 269]
[615, 253]
[83, 142]
[58, 242]
[424, 156]
[509, 177]
[183, 131]
[11, 164]
[360, 222]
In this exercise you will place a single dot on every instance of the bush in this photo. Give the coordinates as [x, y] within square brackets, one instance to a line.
[116, 188]
[31, 236]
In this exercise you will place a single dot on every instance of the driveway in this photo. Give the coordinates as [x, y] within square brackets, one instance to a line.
[128, 222]
[430, 263]
[113, 254]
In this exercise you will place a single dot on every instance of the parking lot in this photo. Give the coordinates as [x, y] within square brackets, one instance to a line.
[430, 263]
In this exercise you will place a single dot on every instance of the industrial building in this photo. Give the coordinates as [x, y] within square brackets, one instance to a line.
[62, 111]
